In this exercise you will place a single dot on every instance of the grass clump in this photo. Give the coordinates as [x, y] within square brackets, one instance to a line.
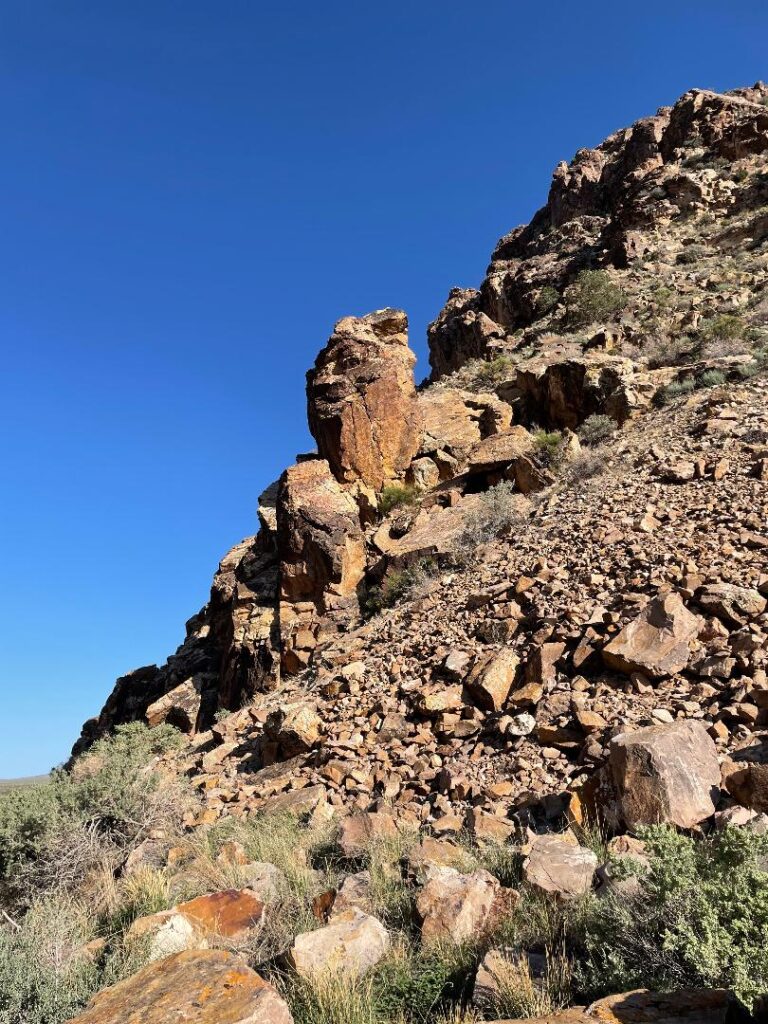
[397, 495]
[499, 510]
[596, 428]
[397, 585]
[592, 298]
[677, 389]
[492, 371]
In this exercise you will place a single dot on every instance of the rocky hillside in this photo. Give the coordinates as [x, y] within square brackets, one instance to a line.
[529, 594]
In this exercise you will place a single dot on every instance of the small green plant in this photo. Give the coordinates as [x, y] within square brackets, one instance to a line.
[699, 920]
[710, 379]
[396, 496]
[596, 428]
[677, 389]
[547, 299]
[725, 327]
[593, 297]
[498, 510]
[494, 370]
[396, 585]
[549, 444]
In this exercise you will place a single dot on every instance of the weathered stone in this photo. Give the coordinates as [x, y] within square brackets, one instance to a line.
[362, 401]
[456, 907]
[213, 987]
[657, 642]
[491, 679]
[358, 831]
[296, 728]
[559, 866]
[179, 707]
[665, 773]
[322, 552]
[352, 943]
[735, 605]
[747, 782]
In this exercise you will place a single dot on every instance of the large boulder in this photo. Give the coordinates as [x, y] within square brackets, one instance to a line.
[322, 556]
[665, 773]
[657, 642]
[197, 987]
[351, 944]
[456, 907]
[361, 399]
[491, 679]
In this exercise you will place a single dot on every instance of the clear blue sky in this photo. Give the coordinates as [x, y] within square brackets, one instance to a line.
[191, 193]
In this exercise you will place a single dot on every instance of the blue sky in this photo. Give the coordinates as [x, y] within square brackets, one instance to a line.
[192, 193]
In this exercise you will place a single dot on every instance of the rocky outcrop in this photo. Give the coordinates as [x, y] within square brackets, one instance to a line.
[361, 400]
[212, 987]
[322, 556]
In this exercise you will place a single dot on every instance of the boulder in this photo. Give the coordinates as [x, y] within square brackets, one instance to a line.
[558, 865]
[499, 451]
[455, 421]
[456, 907]
[296, 728]
[211, 987]
[747, 782]
[685, 1006]
[735, 605]
[657, 642]
[361, 400]
[358, 831]
[352, 943]
[491, 679]
[665, 773]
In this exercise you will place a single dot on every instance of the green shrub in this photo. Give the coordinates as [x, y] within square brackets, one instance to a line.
[396, 495]
[45, 978]
[396, 585]
[549, 446]
[498, 510]
[547, 299]
[700, 920]
[676, 389]
[596, 428]
[725, 327]
[108, 801]
[593, 298]
[493, 370]
[710, 379]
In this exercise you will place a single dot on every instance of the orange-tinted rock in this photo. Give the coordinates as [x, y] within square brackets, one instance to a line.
[230, 914]
[362, 401]
[196, 987]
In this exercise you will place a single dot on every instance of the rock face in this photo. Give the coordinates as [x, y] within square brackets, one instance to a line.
[610, 200]
[195, 987]
[657, 642]
[665, 773]
[362, 402]
[322, 556]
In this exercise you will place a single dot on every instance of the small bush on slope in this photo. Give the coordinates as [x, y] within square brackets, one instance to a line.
[593, 298]
[700, 920]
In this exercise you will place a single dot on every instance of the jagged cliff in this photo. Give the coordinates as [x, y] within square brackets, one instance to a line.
[498, 682]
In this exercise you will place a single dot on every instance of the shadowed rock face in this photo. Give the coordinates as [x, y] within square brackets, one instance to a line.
[322, 555]
[361, 399]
